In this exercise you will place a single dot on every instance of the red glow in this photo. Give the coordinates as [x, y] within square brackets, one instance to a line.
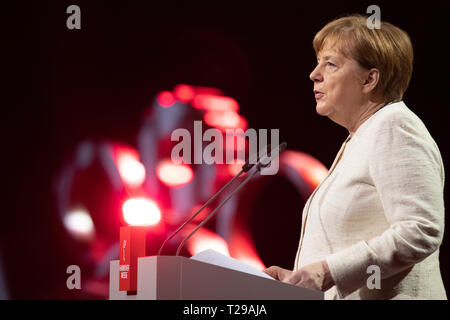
[215, 103]
[141, 212]
[130, 168]
[310, 168]
[97, 287]
[202, 215]
[205, 239]
[236, 142]
[242, 248]
[223, 120]
[235, 168]
[79, 223]
[241, 243]
[166, 99]
[184, 93]
[174, 175]
[208, 90]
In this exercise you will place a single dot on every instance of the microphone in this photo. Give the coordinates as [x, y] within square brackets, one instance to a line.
[201, 209]
[245, 168]
[264, 162]
[215, 210]
[254, 158]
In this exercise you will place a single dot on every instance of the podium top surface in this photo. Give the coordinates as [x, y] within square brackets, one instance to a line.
[181, 278]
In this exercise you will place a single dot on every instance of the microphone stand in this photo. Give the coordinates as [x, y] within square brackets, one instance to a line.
[262, 163]
[245, 168]
[216, 209]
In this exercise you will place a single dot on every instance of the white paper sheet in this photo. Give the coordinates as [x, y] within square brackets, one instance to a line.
[216, 258]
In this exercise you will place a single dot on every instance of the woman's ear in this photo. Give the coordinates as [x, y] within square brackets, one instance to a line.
[371, 80]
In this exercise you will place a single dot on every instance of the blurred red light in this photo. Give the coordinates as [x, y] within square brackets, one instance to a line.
[130, 168]
[79, 223]
[215, 103]
[205, 239]
[236, 167]
[311, 169]
[166, 99]
[174, 175]
[242, 248]
[141, 212]
[235, 142]
[184, 93]
[225, 120]
[208, 90]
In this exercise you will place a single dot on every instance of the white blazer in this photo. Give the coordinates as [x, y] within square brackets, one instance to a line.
[381, 204]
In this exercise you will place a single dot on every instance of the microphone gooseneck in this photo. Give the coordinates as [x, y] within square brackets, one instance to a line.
[264, 162]
[215, 210]
[199, 210]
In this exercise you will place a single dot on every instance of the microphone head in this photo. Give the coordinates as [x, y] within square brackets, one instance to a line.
[267, 159]
[254, 158]
[247, 166]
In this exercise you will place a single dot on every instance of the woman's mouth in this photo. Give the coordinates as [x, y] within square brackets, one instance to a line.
[318, 95]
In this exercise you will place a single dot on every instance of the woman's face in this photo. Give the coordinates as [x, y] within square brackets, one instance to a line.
[338, 83]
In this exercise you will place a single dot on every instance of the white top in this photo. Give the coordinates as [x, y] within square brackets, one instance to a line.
[380, 204]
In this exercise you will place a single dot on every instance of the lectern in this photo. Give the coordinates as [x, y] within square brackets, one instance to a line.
[181, 278]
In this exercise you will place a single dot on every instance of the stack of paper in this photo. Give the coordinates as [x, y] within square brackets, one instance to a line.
[216, 258]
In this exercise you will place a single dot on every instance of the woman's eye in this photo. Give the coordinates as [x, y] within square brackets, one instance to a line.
[330, 64]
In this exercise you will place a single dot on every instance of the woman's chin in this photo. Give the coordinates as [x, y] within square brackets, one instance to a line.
[322, 109]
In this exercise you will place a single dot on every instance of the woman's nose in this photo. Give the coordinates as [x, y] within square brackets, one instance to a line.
[315, 75]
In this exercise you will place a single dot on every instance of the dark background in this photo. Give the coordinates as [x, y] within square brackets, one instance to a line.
[61, 86]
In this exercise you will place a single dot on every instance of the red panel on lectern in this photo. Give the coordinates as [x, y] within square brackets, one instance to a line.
[132, 246]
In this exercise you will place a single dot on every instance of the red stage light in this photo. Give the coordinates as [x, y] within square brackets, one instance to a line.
[205, 239]
[79, 224]
[215, 103]
[184, 93]
[166, 99]
[130, 168]
[225, 120]
[141, 212]
[310, 168]
[236, 167]
[174, 175]
[235, 142]
[208, 90]
[242, 248]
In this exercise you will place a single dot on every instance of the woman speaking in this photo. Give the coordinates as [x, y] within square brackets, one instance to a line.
[380, 210]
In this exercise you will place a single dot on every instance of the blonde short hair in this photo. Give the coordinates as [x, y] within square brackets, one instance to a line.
[387, 49]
